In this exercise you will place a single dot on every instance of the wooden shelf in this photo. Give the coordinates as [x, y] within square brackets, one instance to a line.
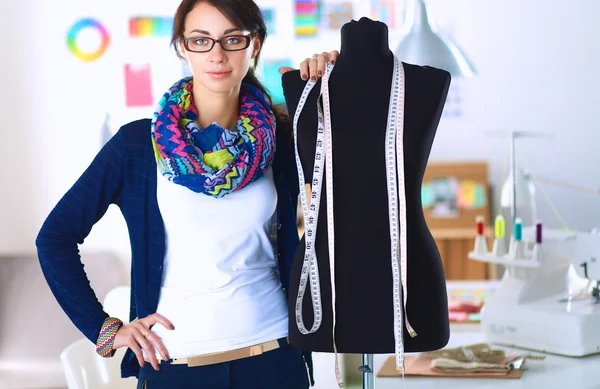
[458, 233]
[454, 245]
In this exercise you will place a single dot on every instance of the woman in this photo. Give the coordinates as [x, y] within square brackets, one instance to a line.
[208, 191]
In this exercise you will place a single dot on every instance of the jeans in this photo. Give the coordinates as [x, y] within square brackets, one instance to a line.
[282, 368]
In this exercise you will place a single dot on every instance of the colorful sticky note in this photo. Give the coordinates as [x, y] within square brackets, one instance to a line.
[471, 195]
[271, 78]
[427, 196]
[142, 27]
[138, 86]
[384, 11]
[306, 20]
[269, 17]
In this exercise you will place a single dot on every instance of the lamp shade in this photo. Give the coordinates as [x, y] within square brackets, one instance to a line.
[424, 45]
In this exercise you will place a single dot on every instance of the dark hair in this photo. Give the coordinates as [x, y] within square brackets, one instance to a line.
[244, 14]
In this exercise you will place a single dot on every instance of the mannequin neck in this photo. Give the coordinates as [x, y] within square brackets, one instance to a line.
[365, 41]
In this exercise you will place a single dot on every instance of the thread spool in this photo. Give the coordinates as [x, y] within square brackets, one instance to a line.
[480, 242]
[518, 234]
[499, 227]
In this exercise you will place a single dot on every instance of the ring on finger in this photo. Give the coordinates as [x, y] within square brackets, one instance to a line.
[147, 333]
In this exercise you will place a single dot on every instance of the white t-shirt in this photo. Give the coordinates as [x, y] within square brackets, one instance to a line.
[220, 287]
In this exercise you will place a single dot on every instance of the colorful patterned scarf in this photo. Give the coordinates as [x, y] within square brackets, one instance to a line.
[214, 161]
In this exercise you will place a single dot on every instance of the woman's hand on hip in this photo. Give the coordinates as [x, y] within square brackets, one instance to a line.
[314, 67]
[137, 335]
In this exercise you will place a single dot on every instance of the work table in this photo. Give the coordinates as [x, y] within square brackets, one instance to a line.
[553, 372]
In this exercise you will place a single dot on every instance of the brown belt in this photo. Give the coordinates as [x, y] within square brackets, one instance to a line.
[227, 356]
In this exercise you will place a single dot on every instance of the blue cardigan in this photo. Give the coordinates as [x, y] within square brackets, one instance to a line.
[124, 173]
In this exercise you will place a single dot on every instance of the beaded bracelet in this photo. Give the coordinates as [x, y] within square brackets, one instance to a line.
[106, 339]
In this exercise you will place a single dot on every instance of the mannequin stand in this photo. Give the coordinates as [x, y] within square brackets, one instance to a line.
[367, 370]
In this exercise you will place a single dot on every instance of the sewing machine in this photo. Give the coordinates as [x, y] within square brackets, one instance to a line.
[537, 305]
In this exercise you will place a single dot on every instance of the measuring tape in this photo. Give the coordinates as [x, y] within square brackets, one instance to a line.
[330, 218]
[397, 212]
[310, 270]
[397, 208]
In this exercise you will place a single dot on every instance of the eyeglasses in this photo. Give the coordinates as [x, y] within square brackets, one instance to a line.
[228, 43]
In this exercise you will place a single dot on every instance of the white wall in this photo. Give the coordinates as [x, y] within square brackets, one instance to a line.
[536, 59]
[21, 170]
[537, 64]
[53, 107]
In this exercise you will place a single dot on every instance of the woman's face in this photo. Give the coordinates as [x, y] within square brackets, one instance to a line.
[218, 70]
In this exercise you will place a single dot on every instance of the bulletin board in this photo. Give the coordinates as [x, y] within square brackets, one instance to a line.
[136, 41]
[453, 194]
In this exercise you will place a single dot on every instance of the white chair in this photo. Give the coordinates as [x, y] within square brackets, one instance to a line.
[31, 318]
[83, 368]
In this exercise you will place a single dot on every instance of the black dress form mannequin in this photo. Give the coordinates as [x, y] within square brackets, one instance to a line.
[360, 89]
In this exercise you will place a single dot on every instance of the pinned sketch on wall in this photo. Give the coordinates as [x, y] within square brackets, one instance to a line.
[453, 105]
[269, 17]
[338, 14]
[439, 195]
[150, 27]
[138, 86]
[88, 39]
[271, 79]
[385, 11]
[306, 17]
